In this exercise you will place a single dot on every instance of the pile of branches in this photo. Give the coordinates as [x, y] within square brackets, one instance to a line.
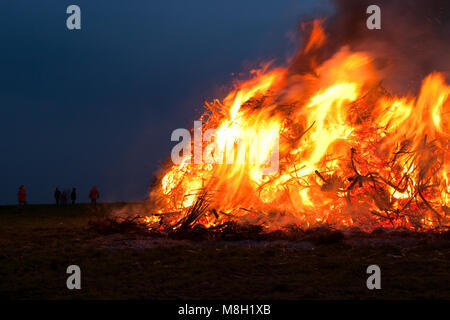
[230, 231]
[189, 227]
[362, 187]
[233, 231]
[111, 225]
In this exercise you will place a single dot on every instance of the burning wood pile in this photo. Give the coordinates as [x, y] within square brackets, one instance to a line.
[348, 152]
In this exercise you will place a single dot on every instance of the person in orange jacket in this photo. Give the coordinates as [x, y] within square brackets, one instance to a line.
[22, 196]
[94, 195]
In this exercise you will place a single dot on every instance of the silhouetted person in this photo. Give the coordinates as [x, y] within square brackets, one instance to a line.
[57, 196]
[63, 198]
[94, 195]
[22, 196]
[73, 195]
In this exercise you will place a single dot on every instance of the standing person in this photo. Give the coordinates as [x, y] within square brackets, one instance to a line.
[63, 198]
[22, 196]
[73, 195]
[57, 196]
[94, 195]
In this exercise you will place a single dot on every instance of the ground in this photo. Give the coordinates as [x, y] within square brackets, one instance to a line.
[38, 244]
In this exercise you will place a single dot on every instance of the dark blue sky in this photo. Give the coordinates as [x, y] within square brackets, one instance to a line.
[98, 105]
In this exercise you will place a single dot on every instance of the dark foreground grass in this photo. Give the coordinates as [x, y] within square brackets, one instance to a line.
[37, 245]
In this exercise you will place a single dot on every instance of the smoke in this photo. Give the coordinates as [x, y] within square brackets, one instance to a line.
[413, 40]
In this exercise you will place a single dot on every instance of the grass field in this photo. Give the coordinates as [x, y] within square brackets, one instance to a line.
[38, 244]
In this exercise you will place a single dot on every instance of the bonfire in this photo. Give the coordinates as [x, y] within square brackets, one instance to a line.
[350, 153]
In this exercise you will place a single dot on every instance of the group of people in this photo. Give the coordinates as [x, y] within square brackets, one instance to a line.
[60, 197]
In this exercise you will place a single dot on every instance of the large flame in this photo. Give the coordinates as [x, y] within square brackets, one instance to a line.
[350, 153]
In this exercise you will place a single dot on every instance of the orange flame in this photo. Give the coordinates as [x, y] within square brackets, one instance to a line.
[350, 153]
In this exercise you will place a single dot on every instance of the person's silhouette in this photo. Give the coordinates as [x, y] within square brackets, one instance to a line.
[57, 196]
[94, 195]
[73, 195]
[64, 198]
[22, 196]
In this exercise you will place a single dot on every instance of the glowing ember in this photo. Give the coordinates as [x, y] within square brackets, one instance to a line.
[350, 153]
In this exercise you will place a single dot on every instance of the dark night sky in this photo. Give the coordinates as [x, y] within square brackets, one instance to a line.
[97, 106]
